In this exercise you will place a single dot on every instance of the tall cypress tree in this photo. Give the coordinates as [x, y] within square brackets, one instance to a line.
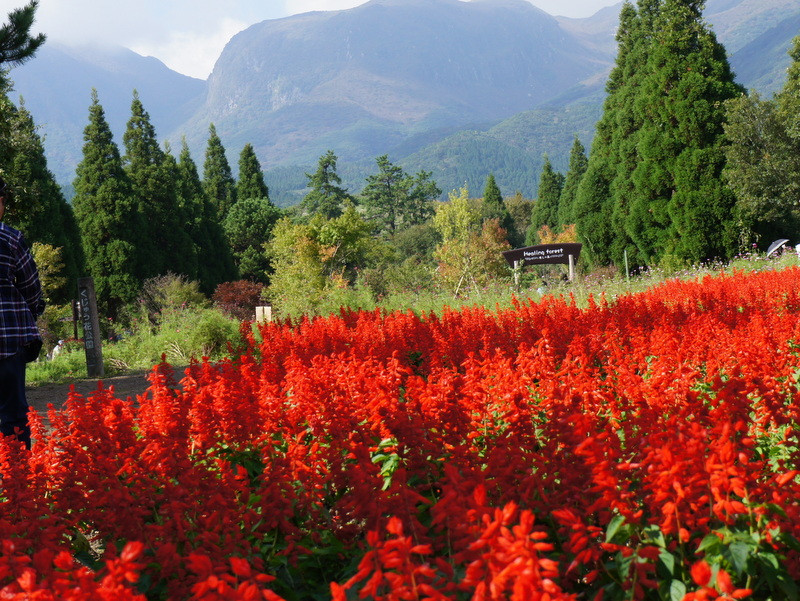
[218, 181]
[108, 216]
[251, 179]
[164, 238]
[681, 206]
[215, 263]
[594, 205]
[545, 209]
[577, 167]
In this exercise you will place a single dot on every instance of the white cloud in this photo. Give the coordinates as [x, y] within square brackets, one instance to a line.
[303, 6]
[191, 53]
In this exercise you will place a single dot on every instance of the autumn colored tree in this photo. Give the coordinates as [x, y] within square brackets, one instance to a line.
[470, 254]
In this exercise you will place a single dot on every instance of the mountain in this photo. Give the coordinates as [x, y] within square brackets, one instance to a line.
[56, 88]
[367, 80]
[457, 88]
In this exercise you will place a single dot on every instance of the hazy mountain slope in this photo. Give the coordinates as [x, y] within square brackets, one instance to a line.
[367, 78]
[56, 87]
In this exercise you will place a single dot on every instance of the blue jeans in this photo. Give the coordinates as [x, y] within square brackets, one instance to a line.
[13, 404]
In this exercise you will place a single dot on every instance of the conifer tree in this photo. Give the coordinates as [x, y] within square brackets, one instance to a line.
[108, 216]
[385, 194]
[214, 260]
[680, 205]
[577, 167]
[218, 181]
[326, 197]
[495, 208]
[594, 207]
[251, 179]
[545, 210]
[39, 209]
[164, 238]
[16, 43]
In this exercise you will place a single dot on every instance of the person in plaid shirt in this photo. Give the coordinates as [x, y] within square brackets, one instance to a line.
[21, 303]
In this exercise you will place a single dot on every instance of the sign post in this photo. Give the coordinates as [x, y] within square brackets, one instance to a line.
[87, 303]
[564, 254]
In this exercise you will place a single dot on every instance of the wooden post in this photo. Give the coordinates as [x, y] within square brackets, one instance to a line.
[264, 313]
[571, 267]
[91, 327]
[517, 269]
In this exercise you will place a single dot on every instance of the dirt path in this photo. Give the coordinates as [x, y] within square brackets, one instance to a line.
[128, 385]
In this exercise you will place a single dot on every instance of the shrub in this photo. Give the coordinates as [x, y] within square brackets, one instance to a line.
[238, 299]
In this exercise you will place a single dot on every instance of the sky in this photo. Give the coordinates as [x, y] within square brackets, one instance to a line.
[189, 35]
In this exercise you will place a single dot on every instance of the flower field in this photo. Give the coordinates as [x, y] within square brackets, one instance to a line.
[645, 448]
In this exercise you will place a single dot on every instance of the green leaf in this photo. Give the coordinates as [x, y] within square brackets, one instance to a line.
[738, 554]
[668, 560]
[710, 544]
[613, 526]
[677, 590]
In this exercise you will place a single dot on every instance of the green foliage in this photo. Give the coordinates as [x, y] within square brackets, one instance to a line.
[545, 210]
[247, 227]
[393, 199]
[653, 179]
[315, 263]
[164, 239]
[37, 207]
[327, 197]
[469, 255]
[251, 178]
[108, 217]
[169, 292]
[577, 167]
[495, 208]
[214, 260]
[763, 159]
[16, 43]
[217, 177]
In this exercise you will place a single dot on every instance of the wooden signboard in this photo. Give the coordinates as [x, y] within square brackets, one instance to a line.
[87, 305]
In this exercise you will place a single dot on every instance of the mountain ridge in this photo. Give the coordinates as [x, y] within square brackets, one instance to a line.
[417, 79]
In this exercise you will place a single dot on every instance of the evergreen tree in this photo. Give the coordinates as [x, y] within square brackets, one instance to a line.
[545, 210]
[394, 200]
[16, 43]
[680, 205]
[247, 228]
[577, 167]
[108, 216]
[217, 178]
[763, 159]
[385, 193]
[594, 210]
[215, 262]
[39, 208]
[164, 238]
[327, 197]
[495, 208]
[251, 178]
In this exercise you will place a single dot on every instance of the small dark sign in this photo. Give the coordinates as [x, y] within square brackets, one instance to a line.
[544, 253]
[87, 304]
